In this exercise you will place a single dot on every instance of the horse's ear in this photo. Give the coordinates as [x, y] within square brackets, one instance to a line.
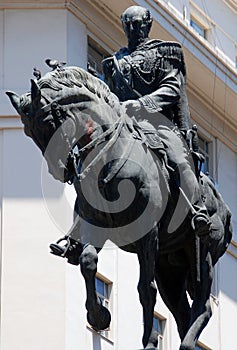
[35, 94]
[15, 100]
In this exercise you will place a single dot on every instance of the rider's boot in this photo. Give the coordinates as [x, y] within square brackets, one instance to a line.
[71, 250]
[201, 223]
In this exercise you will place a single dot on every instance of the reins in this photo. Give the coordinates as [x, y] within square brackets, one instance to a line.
[57, 113]
[116, 128]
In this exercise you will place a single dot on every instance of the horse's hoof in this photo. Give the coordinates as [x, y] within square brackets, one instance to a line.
[99, 320]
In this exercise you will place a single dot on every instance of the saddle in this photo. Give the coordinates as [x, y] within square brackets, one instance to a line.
[145, 132]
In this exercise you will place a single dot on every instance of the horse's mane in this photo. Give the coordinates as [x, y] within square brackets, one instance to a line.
[75, 76]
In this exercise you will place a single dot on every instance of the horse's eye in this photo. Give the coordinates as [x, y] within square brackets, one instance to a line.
[26, 110]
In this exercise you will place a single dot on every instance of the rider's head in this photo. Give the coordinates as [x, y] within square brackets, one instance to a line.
[136, 21]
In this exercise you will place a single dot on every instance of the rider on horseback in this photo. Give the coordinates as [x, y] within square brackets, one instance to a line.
[149, 77]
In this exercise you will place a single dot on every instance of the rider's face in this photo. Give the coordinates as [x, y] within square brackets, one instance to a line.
[135, 25]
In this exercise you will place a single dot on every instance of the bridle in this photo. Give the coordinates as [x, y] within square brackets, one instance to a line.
[59, 117]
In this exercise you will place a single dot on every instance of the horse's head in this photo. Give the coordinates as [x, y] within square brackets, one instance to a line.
[60, 111]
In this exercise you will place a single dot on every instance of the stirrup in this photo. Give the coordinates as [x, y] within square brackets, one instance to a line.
[71, 250]
[58, 250]
[204, 222]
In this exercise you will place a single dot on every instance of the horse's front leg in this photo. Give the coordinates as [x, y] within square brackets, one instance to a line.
[201, 308]
[97, 315]
[146, 250]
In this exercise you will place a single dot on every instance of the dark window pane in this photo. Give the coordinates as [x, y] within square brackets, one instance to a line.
[99, 286]
[198, 28]
[95, 56]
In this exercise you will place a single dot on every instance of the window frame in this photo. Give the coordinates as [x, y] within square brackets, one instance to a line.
[201, 346]
[215, 289]
[94, 45]
[196, 23]
[206, 151]
[161, 335]
[198, 27]
[203, 21]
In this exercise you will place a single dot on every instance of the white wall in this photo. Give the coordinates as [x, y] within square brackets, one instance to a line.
[32, 203]
[227, 179]
[76, 42]
[228, 302]
[1, 48]
[30, 36]
[32, 294]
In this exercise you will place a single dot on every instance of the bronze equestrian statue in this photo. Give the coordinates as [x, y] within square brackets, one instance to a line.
[149, 76]
[134, 178]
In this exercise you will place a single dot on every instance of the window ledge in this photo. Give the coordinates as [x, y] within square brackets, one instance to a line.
[110, 341]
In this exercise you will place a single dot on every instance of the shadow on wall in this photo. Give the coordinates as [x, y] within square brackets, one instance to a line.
[21, 168]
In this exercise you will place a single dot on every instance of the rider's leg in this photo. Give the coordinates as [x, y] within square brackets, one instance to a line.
[184, 177]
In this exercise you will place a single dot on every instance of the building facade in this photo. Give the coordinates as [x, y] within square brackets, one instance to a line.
[42, 297]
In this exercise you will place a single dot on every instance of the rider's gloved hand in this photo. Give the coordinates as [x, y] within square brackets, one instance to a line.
[132, 107]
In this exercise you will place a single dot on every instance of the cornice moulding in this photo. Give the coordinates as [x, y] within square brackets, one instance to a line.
[232, 4]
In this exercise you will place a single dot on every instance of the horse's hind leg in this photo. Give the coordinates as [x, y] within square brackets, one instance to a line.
[146, 250]
[171, 281]
[97, 315]
[201, 308]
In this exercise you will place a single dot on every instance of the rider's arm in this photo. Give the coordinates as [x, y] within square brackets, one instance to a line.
[167, 93]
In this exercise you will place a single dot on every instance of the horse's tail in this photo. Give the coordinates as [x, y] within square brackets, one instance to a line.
[220, 215]
[226, 237]
[228, 230]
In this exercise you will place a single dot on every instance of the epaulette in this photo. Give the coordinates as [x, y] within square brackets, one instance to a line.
[171, 51]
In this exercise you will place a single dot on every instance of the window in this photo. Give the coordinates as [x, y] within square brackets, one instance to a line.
[198, 27]
[204, 149]
[103, 288]
[215, 284]
[202, 23]
[159, 327]
[96, 53]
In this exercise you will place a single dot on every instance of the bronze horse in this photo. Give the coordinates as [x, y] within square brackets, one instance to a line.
[126, 192]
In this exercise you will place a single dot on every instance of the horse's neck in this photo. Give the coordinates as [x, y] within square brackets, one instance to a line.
[102, 117]
[105, 115]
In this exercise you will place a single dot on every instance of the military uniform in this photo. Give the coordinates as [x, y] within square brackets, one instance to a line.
[154, 73]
